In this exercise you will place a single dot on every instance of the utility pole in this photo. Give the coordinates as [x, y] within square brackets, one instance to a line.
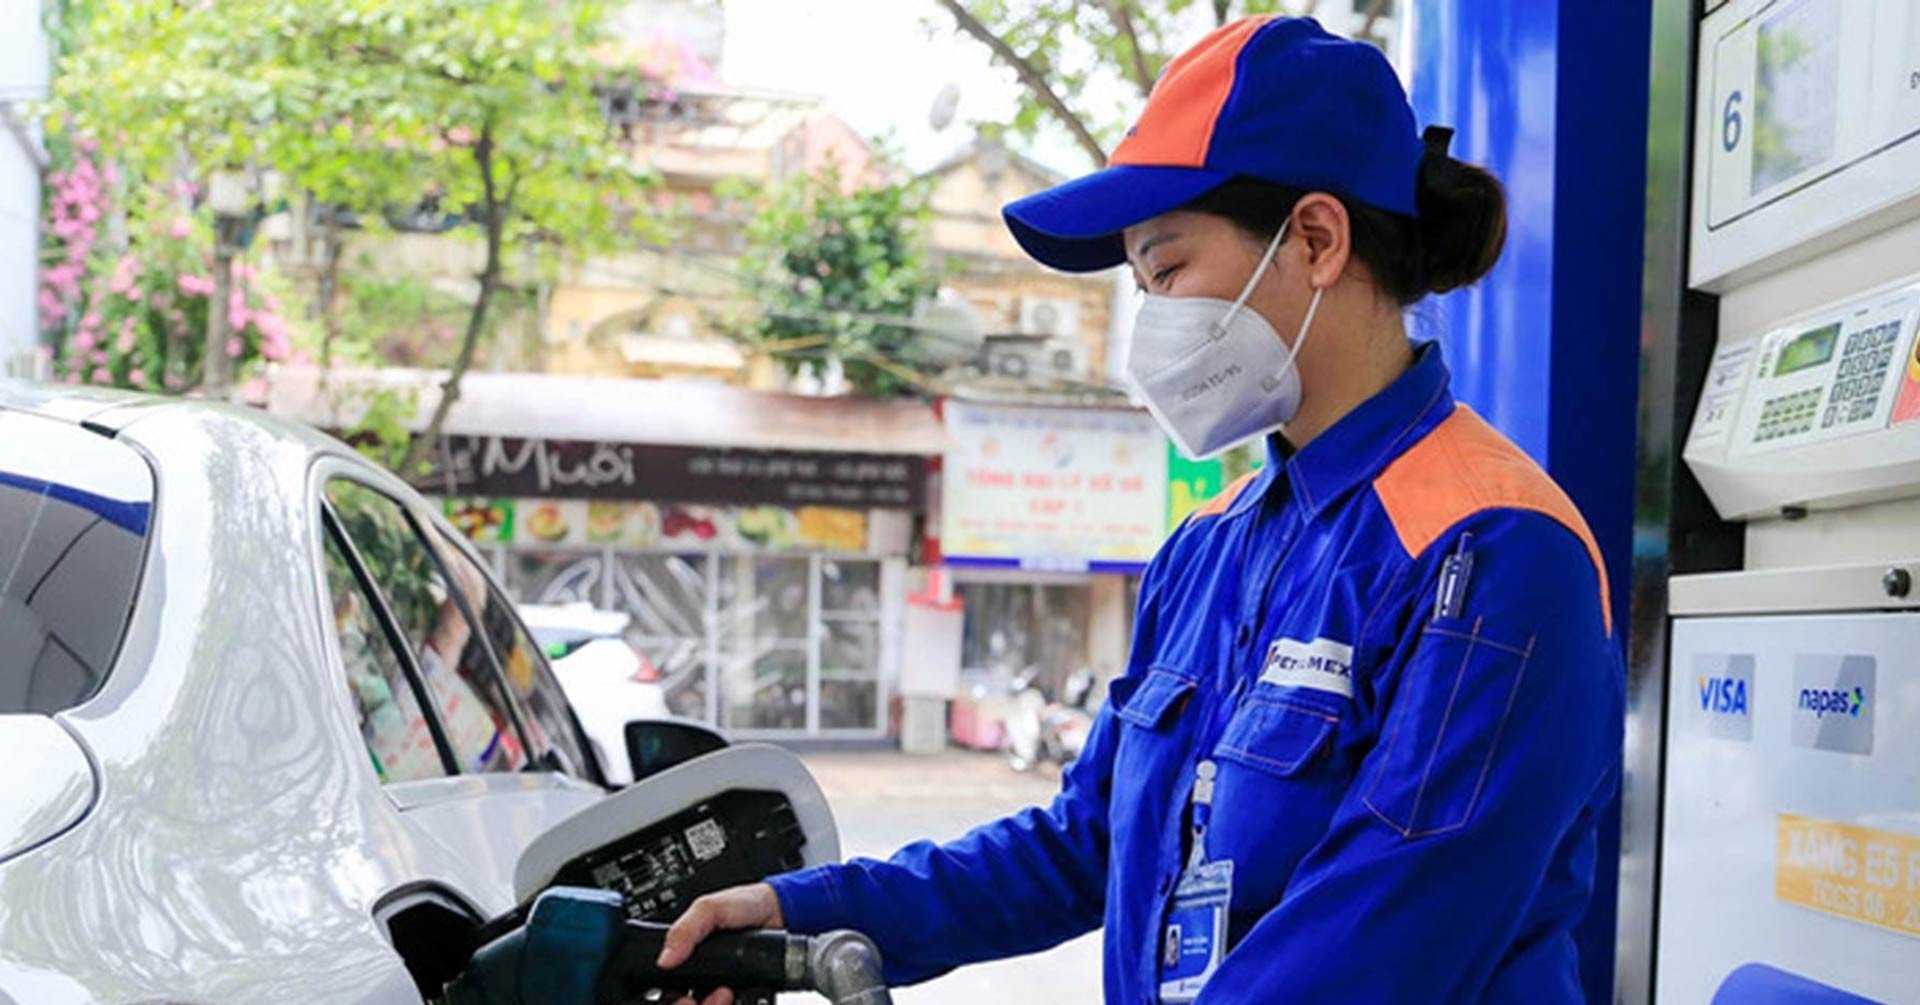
[227, 194]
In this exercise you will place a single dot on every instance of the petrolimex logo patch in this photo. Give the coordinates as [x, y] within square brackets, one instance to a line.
[1724, 697]
[1321, 665]
[1833, 702]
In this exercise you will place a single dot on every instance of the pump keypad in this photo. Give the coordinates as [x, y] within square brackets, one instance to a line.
[1821, 378]
[1789, 414]
[1862, 377]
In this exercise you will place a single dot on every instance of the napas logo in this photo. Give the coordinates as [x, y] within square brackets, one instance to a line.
[1833, 701]
[1823, 702]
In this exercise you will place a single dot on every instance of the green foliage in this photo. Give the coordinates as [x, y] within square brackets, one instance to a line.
[398, 321]
[367, 104]
[836, 264]
[1084, 52]
[1242, 460]
[383, 434]
[486, 108]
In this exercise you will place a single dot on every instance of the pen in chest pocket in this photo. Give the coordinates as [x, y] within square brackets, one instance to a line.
[1450, 599]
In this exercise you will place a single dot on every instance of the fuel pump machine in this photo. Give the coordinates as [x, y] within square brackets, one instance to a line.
[1789, 854]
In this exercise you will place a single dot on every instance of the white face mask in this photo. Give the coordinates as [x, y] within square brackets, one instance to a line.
[1214, 373]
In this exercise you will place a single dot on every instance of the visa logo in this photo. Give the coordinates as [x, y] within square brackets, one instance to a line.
[1723, 695]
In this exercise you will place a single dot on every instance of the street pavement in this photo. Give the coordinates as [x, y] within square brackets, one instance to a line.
[885, 799]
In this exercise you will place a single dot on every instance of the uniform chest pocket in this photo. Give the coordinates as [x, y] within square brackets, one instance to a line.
[1278, 785]
[1155, 701]
[1277, 737]
[1148, 760]
[1442, 736]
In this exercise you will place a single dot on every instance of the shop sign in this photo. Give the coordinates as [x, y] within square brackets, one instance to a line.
[511, 467]
[1190, 484]
[531, 522]
[1052, 488]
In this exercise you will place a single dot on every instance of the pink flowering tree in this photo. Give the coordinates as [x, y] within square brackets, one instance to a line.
[658, 65]
[76, 207]
[131, 314]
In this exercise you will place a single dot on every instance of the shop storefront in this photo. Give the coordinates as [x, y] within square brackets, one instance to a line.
[764, 570]
[763, 619]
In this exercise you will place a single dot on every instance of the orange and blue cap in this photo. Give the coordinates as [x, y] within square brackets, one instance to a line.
[1271, 98]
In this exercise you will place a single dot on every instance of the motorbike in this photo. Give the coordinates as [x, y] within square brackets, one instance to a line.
[1040, 729]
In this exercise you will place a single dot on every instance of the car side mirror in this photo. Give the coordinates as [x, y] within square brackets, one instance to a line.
[654, 745]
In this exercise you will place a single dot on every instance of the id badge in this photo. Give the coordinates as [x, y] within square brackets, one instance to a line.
[1195, 938]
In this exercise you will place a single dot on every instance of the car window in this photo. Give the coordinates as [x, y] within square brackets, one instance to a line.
[75, 508]
[398, 738]
[549, 722]
[460, 677]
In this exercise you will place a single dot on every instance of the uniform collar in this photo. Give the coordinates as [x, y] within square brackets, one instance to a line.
[1363, 442]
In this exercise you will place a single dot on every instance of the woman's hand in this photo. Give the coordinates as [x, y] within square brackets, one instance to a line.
[752, 906]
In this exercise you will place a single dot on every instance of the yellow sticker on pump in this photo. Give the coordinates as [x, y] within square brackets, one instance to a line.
[1850, 872]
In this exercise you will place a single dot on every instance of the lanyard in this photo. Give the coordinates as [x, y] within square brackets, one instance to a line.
[1203, 774]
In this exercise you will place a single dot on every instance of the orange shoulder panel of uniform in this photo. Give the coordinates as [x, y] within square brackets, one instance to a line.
[1463, 467]
[1218, 504]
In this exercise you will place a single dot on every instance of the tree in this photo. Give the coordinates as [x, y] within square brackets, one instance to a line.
[488, 108]
[126, 313]
[174, 93]
[1066, 54]
[841, 269]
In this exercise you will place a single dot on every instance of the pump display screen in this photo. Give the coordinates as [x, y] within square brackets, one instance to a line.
[1808, 350]
[1796, 104]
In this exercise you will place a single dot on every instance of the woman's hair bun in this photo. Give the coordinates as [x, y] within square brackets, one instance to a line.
[1463, 219]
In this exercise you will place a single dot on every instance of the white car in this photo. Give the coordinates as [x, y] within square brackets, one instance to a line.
[271, 733]
[607, 682]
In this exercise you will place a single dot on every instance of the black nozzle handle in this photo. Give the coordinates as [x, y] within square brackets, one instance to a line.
[774, 961]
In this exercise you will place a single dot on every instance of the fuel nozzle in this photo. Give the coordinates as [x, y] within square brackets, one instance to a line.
[578, 948]
[845, 967]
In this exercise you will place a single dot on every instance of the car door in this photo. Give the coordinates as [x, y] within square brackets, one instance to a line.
[460, 717]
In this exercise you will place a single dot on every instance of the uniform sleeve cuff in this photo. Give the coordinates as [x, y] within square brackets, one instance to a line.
[811, 900]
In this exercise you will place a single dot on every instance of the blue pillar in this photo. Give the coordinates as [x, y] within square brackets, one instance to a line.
[1551, 95]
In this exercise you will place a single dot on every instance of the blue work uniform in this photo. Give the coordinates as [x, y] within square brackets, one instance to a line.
[1393, 646]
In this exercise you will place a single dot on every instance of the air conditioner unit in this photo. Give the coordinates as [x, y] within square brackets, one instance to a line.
[1066, 359]
[1050, 317]
[1033, 360]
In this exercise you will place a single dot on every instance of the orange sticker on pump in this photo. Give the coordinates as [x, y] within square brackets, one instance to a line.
[1907, 407]
[1863, 875]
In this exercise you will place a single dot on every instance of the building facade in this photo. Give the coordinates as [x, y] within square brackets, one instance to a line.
[23, 80]
[759, 542]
